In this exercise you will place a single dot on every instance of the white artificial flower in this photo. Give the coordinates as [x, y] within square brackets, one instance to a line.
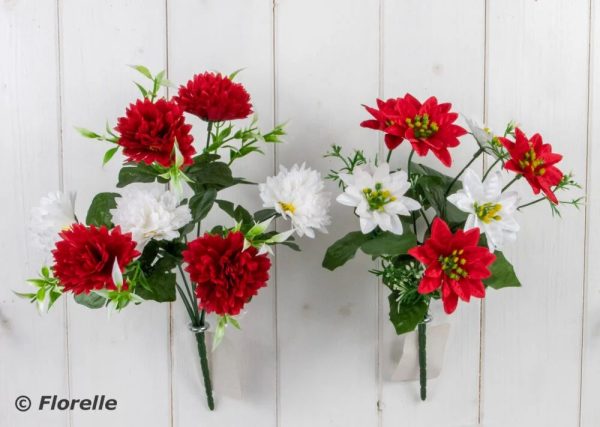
[56, 212]
[150, 214]
[378, 197]
[482, 135]
[298, 194]
[489, 209]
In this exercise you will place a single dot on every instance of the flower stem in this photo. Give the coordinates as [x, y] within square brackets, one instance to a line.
[532, 203]
[422, 329]
[208, 131]
[201, 340]
[485, 175]
[409, 166]
[475, 156]
[389, 156]
[512, 181]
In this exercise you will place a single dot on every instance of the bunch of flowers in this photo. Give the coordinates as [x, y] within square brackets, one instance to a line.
[437, 236]
[133, 243]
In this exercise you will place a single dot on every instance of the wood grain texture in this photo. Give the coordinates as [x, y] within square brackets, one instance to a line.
[533, 334]
[33, 357]
[326, 66]
[447, 63]
[207, 36]
[127, 356]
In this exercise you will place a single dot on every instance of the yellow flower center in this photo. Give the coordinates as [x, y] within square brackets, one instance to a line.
[378, 197]
[287, 207]
[453, 265]
[531, 162]
[488, 212]
[421, 126]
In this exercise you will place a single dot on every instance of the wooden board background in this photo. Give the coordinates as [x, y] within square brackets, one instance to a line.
[317, 347]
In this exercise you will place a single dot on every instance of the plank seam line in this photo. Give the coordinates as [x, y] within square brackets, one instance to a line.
[586, 242]
[61, 183]
[484, 165]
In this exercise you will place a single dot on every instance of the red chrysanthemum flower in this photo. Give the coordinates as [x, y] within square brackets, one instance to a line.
[535, 161]
[150, 130]
[427, 126]
[84, 257]
[386, 120]
[453, 262]
[226, 275]
[214, 98]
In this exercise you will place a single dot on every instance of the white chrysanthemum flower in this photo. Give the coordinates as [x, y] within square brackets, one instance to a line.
[298, 194]
[150, 214]
[378, 197]
[489, 209]
[482, 135]
[55, 213]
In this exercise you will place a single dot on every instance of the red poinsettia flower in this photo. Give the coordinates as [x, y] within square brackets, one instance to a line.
[535, 161]
[214, 98]
[84, 257]
[386, 120]
[150, 130]
[427, 126]
[226, 275]
[453, 262]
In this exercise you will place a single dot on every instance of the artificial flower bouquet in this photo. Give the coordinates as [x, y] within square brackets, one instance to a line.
[437, 236]
[133, 243]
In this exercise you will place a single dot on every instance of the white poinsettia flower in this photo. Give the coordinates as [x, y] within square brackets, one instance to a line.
[56, 212]
[378, 197]
[489, 209]
[150, 214]
[483, 135]
[297, 194]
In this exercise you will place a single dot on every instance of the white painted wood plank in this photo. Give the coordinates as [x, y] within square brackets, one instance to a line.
[538, 66]
[126, 357]
[590, 387]
[216, 36]
[32, 348]
[326, 66]
[427, 54]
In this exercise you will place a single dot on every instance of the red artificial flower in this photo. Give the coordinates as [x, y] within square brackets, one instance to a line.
[226, 275]
[427, 126]
[386, 120]
[214, 98]
[535, 161]
[453, 262]
[84, 258]
[150, 130]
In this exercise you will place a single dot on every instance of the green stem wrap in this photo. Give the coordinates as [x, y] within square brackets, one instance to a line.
[200, 339]
[422, 329]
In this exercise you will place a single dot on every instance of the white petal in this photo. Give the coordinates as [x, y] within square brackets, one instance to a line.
[493, 187]
[366, 225]
[346, 199]
[472, 185]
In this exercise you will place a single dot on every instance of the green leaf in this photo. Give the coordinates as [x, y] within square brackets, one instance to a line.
[137, 173]
[161, 282]
[142, 89]
[503, 273]
[201, 204]
[344, 249]
[405, 318]
[216, 174]
[226, 206]
[109, 155]
[142, 70]
[264, 214]
[91, 300]
[388, 243]
[87, 133]
[99, 211]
